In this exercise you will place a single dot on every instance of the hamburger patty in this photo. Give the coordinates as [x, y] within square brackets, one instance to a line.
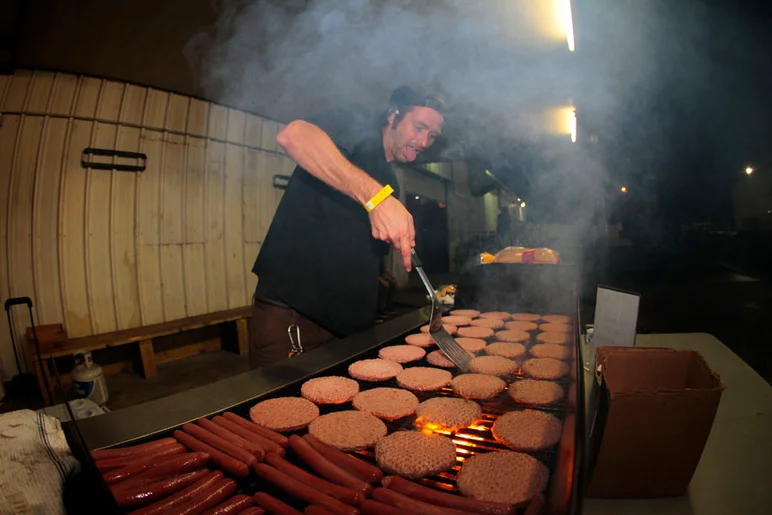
[551, 327]
[556, 338]
[545, 368]
[506, 350]
[450, 329]
[557, 319]
[439, 359]
[501, 315]
[526, 317]
[284, 413]
[424, 379]
[494, 366]
[348, 430]
[535, 393]
[386, 403]
[528, 430]
[475, 332]
[471, 344]
[510, 335]
[471, 313]
[492, 323]
[415, 454]
[456, 320]
[329, 390]
[402, 353]
[550, 350]
[477, 386]
[420, 340]
[521, 325]
[447, 413]
[505, 477]
[374, 370]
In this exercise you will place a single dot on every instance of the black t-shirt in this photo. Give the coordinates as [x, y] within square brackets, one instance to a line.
[319, 256]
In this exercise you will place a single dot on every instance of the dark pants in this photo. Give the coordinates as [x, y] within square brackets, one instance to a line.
[269, 340]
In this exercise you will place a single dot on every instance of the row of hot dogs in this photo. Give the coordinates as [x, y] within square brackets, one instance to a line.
[173, 476]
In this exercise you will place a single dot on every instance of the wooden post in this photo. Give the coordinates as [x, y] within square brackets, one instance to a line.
[147, 356]
[242, 334]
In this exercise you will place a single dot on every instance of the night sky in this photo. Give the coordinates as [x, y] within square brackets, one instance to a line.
[695, 90]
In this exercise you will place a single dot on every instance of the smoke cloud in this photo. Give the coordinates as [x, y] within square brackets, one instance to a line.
[290, 59]
[287, 60]
[640, 70]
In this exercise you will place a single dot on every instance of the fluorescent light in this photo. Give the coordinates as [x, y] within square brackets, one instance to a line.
[573, 126]
[568, 23]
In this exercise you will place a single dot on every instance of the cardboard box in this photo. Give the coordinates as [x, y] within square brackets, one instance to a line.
[655, 411]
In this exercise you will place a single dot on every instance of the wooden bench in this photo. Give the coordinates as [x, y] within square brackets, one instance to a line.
[54, 343]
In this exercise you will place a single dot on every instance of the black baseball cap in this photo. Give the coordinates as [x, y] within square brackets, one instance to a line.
[406, 96]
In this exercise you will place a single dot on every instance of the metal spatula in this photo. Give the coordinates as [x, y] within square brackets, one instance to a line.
[446, 343]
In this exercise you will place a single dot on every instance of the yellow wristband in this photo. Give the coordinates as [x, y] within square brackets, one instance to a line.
[378, 198]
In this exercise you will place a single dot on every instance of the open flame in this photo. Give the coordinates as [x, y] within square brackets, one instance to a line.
[463, 442]
[430, 427]
[470, 437]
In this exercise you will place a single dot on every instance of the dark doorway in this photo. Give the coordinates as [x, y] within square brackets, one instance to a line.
[431, 232]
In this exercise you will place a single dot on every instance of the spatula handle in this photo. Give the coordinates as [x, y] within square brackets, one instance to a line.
[424, 279]
[416, 260]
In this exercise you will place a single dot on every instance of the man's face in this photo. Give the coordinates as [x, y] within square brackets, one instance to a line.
[416, 132]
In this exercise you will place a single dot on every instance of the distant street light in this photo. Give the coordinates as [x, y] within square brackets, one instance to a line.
[748, 170]
[623, 189]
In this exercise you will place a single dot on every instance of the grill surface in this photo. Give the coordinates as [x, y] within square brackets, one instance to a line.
[468, 441]
[476, 438]
[487, 292]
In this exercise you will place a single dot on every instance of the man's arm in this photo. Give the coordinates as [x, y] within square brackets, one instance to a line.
[312, 149]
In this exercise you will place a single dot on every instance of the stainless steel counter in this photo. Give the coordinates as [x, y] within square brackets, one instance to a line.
[148, 419]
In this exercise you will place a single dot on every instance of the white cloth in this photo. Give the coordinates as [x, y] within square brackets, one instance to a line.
[35, 459]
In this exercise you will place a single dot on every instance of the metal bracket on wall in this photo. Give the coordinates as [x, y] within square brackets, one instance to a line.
[281, 181]
[112, 163]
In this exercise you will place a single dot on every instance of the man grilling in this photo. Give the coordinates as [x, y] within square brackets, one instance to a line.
[318, 267]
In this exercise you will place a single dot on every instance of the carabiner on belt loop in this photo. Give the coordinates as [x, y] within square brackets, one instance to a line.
[297, 346]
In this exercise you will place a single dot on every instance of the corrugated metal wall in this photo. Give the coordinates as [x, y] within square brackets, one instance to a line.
[107, 250]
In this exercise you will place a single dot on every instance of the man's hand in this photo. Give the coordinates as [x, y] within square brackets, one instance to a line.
[392, 223]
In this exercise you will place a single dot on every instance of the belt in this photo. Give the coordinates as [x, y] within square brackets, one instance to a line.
[271, 302]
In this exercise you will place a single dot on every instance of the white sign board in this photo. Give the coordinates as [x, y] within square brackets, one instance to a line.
[616, 320]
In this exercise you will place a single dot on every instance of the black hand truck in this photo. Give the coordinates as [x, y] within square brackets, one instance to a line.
[25, 383]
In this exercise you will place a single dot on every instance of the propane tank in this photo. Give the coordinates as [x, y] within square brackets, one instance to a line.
[89, 379]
